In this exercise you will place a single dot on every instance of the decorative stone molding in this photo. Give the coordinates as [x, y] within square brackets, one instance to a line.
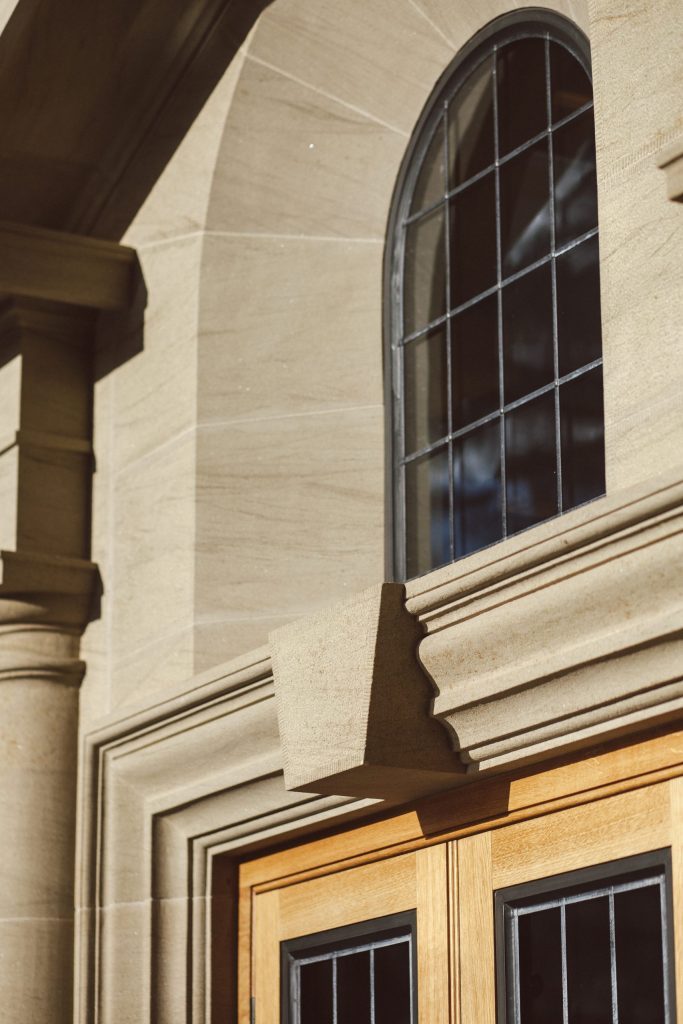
[671, 162]
[353, 702]
[567, 635]
[168, 796]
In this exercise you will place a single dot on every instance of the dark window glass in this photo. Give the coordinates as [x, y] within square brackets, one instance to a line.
[471, 139]
[425, 368]
[522, 105]
[576, 199]
[583, 444]
[540, 966]
[578, 306]
[528, 350]
[494, 272]
[360, 974]
[315, 993]
[474, 362]
[589, 947]
[424, 279]
[525, 208]
[531, 480]
[473, 240]
[428, 531]
[476, 480]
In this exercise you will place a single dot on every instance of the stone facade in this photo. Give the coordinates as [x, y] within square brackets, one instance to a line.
[194, 207]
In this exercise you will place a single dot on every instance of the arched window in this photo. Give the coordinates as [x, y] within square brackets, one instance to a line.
[493, 298]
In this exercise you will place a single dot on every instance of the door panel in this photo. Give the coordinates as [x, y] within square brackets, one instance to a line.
[415, 881]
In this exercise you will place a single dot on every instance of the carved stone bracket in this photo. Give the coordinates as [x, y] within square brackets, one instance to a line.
[353, 702]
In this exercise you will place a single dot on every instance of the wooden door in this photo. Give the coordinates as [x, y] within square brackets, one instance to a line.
[411, 882]
[544, 848]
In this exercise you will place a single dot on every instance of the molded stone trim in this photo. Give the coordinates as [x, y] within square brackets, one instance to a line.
[671, 162]
[564, 636]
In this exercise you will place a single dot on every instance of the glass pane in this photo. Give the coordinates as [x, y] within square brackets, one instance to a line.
[353, 989]
[530, 464]
[425, 372]
[578, 306]
[427, 513]
[540, 967]
[474, 362]
[424, 280]
[570, 85]
[522, 107]
[589, 988]
[640, 969]
[315, 993]
[476, 481]
[431, 181]
[528, 333]
[576, 198]
[473, 240]
[470, 126]
[392, 984]
[583, 444]
[525, 208]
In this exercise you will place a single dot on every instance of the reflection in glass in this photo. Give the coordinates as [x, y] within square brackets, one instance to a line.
[525, 208]
[570, 85]
[640, 968]
[477, 491]
[576, 199]
[531, 482]
[392, 984]
[425, 372]
[578, 306]
[427, 512]
[473, 240]
[353, 988]
[528, 351]
[588, 961]
[424, 278]
[583, 443]
[315, 993]
[431, 181]
[522, 109]
[540, 967]
[470, 126]
[474, 362]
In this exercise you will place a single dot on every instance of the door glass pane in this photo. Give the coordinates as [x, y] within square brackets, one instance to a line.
[540, 966]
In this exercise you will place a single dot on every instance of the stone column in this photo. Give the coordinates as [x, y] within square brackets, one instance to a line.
[52, 288]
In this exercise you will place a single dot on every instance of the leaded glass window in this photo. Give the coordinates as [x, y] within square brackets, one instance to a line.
[494, 300]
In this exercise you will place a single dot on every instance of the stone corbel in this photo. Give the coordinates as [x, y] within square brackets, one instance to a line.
[354, 705]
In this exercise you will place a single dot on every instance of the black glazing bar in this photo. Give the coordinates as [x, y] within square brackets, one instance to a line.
[499, 279]
[362, 947]
[334, 990]
[553, 276]
[664, 917]
[372, 986]
[572, 375]
[501, 160]
[516, 994]
[411, 981]
[449, 354]
[563, 952]
[613, 961]
[592, 894]
[433, 324]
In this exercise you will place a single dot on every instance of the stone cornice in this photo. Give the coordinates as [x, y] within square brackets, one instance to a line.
[60, 267]
[563, 636]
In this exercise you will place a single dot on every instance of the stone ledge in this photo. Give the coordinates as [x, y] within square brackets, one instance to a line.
[538, 646]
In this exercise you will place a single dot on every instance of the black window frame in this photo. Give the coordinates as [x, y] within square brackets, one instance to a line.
[583, 880]
[344, 938]
[521, 24]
